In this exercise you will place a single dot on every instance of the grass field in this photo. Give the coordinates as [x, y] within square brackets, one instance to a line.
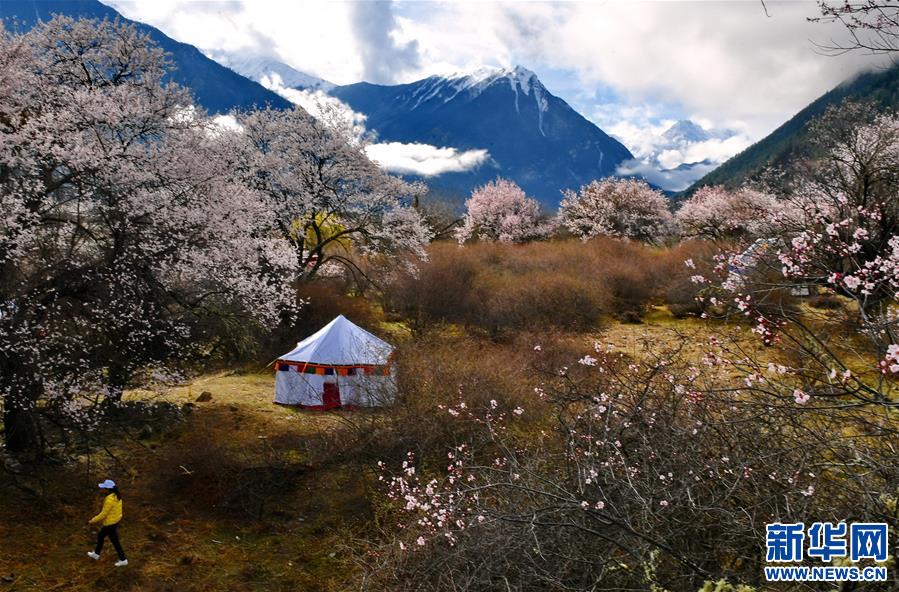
[174, 534]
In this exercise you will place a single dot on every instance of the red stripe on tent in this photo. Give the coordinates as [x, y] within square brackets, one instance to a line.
[335, 369]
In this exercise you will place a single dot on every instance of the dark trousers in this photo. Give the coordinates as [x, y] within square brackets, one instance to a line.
[111, 531]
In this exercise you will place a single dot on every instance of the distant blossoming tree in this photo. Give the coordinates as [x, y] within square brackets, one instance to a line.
[717, 213]
[121, 236]
[500, 211]
[626, 208]
[325, 197]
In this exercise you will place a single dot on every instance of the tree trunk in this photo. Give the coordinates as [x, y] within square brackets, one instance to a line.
[19, 426]
[118, 379]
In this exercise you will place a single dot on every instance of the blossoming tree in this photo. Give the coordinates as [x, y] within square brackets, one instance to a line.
[324, 196]
[842, 229]
[120, 232]
[501, 211]
[627, 208]
[717, 213]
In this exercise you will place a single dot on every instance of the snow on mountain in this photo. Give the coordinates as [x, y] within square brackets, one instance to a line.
[520, 80]
[686, 131]
[475, 81]
[261, 68]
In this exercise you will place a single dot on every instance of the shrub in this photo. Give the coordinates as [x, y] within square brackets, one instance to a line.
[681, 294]
[631, 288]
[436, 291]
[501, 289]
[825, 302]
[435, 372]
[541, 300]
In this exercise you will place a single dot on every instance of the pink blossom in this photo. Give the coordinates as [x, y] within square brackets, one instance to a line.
[626, 208]
[716, 213]
[500, 211]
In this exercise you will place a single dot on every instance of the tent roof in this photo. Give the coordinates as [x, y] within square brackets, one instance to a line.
[340, 343]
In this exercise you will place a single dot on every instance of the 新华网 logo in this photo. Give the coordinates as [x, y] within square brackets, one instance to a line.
[826, 542]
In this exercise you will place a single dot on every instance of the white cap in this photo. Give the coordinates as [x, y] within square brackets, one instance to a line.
[108, 484]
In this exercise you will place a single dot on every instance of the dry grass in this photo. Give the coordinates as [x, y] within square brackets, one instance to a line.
[557, 285]
[178, 541]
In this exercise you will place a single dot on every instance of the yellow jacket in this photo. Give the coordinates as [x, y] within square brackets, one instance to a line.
[111, 512]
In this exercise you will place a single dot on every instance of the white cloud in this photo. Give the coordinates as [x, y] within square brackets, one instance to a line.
[423, 159]
[385, 57]
[227, 123]
[715, 150]
[726, 61]
[314, 36]
[319, 105]
[671, 179]
[641, 137]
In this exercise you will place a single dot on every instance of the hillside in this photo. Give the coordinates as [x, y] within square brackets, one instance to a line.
[214, 86]
[790, 140]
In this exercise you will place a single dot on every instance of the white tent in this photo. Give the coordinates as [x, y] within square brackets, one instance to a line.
[342, 364]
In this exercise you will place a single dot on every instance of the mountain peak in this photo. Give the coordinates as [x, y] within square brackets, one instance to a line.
[686, 130]
[473, 83]
[531, 136]
[689, 131]
[264, 69]
[518, 76]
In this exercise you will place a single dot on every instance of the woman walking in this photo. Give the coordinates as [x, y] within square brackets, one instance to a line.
[109, 518]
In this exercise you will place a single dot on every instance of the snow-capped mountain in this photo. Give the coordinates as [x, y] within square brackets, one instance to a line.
[686, 131]
[263, 69]
[675, 156]
[532, 136]
[524, 84]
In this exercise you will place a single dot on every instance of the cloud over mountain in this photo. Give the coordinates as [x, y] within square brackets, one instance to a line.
[413, 158]
[423, 159]
[679, 59]
[674, 154]
[384, 58]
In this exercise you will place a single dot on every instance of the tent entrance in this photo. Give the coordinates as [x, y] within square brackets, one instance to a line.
[331, 395]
